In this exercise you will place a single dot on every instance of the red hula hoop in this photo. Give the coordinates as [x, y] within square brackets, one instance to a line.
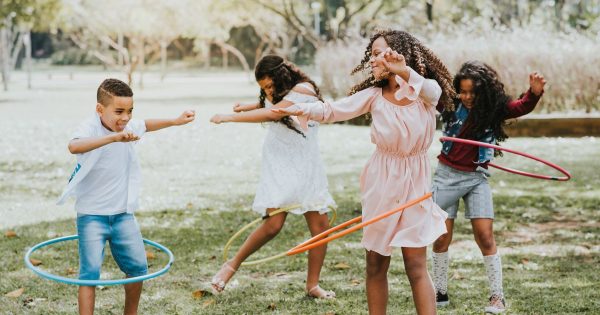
[510, 170]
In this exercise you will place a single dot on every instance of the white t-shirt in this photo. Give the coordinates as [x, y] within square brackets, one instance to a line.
[104, 191]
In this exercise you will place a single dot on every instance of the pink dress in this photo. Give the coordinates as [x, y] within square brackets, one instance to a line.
[398, 171]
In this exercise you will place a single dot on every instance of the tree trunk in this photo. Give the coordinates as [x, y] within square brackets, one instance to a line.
[121, 58]
[4, 56]
[27, 45]
[225, 57]
[142, 58]
[429, 10]
[163, 59]
[225, 48]
[558, 8]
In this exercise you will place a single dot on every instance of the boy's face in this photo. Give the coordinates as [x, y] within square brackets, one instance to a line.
[467, 95]
[266, 84]
[116, 115]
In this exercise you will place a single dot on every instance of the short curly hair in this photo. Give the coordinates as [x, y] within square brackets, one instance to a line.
[110, 88]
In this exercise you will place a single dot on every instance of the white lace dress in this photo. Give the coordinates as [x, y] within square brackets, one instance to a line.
[292, 171]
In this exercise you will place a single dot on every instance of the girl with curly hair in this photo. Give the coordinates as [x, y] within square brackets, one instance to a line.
[292, 170]
[406, 81]
[482, 107]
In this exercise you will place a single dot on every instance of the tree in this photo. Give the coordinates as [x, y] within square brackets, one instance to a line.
[17, 20]
[124, 34]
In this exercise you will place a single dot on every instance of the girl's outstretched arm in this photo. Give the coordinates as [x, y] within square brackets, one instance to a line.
[238, 107]
[341, 110]
[529, 100]
[252, 116]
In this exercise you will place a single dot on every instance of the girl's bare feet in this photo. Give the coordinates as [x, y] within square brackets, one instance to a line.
[318, 293]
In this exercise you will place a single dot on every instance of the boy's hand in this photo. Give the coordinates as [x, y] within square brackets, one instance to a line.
[186, 117]
[393, 61]
[125, 136]
[536, 83]
[237, 108]
[217, 119]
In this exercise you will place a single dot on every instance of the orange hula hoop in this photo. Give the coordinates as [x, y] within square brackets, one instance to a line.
[321, 238]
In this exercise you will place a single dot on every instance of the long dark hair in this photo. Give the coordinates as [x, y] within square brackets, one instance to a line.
[418, 57]
[489, 104]
[285, 76]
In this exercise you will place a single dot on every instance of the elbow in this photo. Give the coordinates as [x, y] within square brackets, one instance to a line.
[73, 148]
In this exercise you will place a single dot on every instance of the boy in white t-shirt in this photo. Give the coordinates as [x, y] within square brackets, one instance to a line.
[106, 185]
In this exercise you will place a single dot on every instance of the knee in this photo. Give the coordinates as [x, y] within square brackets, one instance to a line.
[415, 270]
[323, 224]
[442, 243]
[486, 241]
[376, 268]
[273, 227]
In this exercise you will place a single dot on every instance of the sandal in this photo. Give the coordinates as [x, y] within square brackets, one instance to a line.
[219, 281]
[318, 293]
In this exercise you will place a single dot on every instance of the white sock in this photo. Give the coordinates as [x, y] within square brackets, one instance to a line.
[493, 267]
[440, 271]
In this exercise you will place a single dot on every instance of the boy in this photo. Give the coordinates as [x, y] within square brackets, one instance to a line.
[106, 185]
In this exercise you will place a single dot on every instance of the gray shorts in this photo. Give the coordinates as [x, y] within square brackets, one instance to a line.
[449, 185]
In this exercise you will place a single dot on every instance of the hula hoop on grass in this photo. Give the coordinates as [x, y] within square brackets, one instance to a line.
[79, 282]
[320, 239]
[510, 170]
[249, 225]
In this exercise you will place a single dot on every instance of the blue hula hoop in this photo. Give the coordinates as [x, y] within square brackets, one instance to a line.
[79, 282]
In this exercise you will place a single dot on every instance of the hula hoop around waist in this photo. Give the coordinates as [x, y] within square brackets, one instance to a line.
[510, 170]
[79, 282]
[323, 238]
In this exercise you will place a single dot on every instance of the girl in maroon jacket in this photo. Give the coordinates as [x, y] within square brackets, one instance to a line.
[479, 114]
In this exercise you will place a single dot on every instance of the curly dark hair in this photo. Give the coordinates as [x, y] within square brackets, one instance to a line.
[418, 57]
[489, 105]
[110, 88]
[285, 76]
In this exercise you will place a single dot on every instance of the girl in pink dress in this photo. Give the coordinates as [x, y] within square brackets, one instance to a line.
[406, 83]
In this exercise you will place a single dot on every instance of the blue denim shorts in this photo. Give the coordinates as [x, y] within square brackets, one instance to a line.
[450, 185]
[126, 244]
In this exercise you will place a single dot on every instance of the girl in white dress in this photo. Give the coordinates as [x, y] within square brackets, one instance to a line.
[292, 170]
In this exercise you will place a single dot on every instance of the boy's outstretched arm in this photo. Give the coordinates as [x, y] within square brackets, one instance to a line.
[157, 124]
[84, 145]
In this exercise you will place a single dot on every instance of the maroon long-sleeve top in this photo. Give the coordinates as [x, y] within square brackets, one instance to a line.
[463, 156]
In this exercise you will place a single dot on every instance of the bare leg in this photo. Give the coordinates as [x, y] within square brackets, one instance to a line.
[484, 235]
[133, 292]
[442, 244]
[317, 223]
[377, 283]
[415, 263]
[86, 300]
[262, 235]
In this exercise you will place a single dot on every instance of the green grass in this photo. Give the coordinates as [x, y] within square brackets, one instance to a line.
[550, 265]
[548, 234]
